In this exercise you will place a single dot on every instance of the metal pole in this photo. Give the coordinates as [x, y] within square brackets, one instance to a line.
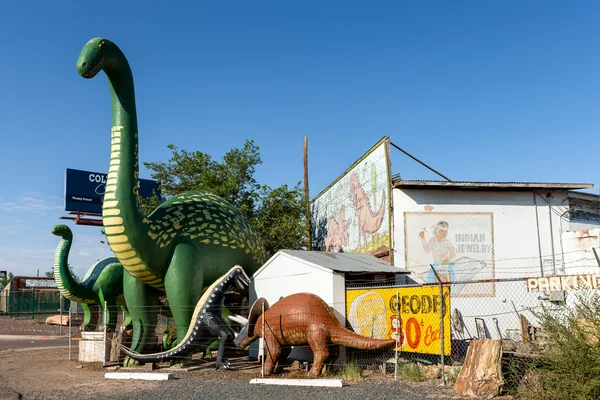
[306, 196]
[421, 162]
[397, 335]
[442, 312]
[105, 319]
[60, 309]
[596, 254]
[70, 318]
[537, 224]
[551, 236]
[262, 362]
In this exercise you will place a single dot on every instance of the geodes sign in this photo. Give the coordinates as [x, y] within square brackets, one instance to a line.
[410, 315]
[564, 282]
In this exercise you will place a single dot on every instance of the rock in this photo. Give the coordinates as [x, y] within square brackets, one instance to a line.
[56, 320]
[150, 366]
[431, 371]
[481, 373]
[452, 372]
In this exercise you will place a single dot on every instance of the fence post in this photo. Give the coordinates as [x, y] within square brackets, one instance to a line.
[442, 312]
[262, 367]
[105, 320]
[70, 317]
[33, 304]
[60, 309]
[399, 326]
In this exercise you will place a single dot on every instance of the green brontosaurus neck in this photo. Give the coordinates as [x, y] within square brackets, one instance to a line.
[124, 222]
[68, 286]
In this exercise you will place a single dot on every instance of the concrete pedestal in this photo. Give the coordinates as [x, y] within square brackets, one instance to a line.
[92, 347]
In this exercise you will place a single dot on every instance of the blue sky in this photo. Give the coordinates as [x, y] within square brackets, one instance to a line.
[491, 91]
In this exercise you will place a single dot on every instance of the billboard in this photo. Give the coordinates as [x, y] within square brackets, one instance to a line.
[84, 190]
[353, 214]
[411, 315]
[460, 246]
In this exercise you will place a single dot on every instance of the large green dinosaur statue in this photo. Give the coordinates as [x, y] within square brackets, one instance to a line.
[181, 247]
[102, 282]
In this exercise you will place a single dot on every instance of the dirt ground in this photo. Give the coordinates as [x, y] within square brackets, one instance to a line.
[47, 373]
[33, 326]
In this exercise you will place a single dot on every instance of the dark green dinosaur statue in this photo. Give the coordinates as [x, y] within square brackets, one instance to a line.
[181, 247]
[102, 282]
[208, 322]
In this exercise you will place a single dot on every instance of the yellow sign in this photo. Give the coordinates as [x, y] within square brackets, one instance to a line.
[410, 315]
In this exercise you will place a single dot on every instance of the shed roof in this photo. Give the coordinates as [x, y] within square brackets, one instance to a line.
[425, 184]
[340, 262]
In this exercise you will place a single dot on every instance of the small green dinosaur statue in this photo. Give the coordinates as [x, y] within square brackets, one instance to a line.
[186, 243]
[102, 282]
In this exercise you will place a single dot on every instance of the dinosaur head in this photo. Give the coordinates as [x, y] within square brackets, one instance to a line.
[63, 231]
[247, 334]
[96, 55]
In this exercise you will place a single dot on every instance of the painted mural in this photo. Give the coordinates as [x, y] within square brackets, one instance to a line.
[460, 246]
[353, 214]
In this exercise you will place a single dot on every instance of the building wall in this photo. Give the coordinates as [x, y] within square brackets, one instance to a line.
[286, 275]
[579, 256]
[513, 243]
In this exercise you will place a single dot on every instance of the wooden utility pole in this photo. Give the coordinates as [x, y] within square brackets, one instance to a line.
[306, 198]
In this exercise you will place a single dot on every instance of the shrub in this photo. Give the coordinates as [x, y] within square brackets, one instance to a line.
[411, 372]
[568, 366]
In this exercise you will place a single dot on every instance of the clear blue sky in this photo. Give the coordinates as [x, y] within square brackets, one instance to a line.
[481, 90]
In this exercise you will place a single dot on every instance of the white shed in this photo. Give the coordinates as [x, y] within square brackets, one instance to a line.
[322, 273]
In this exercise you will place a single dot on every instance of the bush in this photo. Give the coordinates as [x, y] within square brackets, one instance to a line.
[411, 372]
[568, 366]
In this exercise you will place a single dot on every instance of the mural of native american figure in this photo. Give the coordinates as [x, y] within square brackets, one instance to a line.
[368, 221]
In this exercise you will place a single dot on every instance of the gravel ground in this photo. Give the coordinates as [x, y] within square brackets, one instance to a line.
[234, 389]
[48, 374]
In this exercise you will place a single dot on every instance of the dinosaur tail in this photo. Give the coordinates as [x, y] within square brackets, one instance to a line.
[346, 337]
[196, 336]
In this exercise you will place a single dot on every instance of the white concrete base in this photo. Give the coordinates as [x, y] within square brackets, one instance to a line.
[145, 376]
[300, 382]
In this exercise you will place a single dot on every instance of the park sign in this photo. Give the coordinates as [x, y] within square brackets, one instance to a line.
[410, 315]
[563, 283]
[84, 190]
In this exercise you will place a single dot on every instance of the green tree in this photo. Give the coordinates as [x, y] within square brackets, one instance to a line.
[277, 214]
[6, 280]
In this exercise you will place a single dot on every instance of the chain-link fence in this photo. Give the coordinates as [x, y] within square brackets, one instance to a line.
[428, 324]
[33, 303]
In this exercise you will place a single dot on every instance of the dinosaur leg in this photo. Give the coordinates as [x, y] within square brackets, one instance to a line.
[111, 322]
[282, 360]
[226, 336]
[318, 339]
[142, 303]
[90, 317]
[271, 352]
[183, 284]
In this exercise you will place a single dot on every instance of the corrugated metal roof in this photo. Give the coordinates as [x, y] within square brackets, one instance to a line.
[425, 184]
[345, 262]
